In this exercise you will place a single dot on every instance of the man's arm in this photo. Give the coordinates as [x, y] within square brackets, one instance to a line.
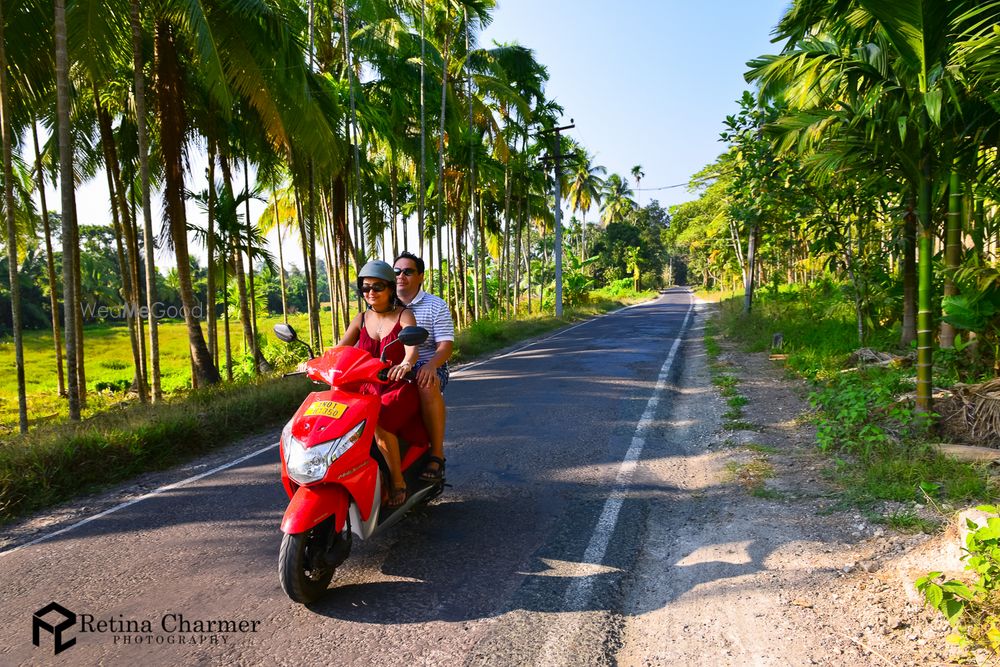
[427, 375]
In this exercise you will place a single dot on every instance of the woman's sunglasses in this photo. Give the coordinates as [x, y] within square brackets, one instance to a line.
[405, 272]
[377, 287]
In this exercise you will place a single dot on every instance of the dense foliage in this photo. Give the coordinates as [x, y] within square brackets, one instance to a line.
[869, 150]
[367, 127]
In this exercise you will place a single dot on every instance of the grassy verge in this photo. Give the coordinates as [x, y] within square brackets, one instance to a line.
[119, 440]
[725, 382]
[880, 450]
[56, 462]
[108, 362]
[751, 475]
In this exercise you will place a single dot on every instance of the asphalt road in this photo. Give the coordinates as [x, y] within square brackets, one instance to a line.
[528, 558]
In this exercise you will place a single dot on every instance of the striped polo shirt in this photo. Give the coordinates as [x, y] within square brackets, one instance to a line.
[431, 313]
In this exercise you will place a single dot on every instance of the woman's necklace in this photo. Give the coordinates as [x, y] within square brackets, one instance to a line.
[383, 324]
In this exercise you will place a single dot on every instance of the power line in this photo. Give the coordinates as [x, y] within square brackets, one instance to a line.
[665, 187]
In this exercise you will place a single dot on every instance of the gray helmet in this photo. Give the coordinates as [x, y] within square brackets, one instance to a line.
[377, 269]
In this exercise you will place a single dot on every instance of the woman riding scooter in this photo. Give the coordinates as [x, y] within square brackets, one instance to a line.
[372, 331]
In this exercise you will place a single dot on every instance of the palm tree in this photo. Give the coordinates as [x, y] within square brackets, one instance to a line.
[617, 203]
[69, 236]
[638, 174]
[139, 91]
[172, 128]
[49, 262]
[8, 199]
[280, 207]
[896, 62]
[584, 190]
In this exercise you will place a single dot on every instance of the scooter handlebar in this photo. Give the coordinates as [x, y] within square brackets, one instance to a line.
[411, 376]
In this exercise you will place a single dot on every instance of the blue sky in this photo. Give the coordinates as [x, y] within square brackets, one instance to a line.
[646, 82]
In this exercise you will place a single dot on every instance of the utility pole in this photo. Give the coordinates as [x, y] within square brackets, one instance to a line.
[557, 159]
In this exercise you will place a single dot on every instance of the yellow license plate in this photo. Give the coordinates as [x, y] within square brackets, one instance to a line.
[326, 409]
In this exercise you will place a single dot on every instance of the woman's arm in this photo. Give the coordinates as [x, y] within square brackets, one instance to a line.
[412, 351]
[353, 332]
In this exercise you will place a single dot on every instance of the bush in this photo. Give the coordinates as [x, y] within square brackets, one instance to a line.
[878, 442]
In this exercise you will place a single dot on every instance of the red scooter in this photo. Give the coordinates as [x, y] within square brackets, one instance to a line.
[333, 471]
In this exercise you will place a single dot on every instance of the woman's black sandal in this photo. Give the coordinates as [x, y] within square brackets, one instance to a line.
[435, 474]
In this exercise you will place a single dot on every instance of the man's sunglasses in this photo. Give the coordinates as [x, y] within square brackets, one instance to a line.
[405, 272]
[377, 287]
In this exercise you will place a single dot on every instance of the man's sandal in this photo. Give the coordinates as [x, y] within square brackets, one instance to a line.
[397, 498]
[433, 474]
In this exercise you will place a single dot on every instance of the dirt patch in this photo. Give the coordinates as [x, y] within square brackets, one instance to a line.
[756, 559]
[854, 588]
[857, 592]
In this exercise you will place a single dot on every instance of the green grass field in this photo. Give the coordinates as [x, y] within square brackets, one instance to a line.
[108, 358]
[108, 355]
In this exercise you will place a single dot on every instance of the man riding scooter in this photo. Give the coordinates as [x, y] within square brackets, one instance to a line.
[432, 314]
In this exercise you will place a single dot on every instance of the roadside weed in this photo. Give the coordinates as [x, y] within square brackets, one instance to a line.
[972, 609]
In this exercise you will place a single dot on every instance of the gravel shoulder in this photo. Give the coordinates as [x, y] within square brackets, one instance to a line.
[777, 576]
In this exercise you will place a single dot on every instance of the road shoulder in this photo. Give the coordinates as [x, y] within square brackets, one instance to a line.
[750, 560]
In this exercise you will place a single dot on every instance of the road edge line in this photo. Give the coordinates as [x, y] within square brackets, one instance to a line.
[146, 496]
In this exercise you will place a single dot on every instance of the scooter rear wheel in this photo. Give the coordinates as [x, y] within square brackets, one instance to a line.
[302, 569]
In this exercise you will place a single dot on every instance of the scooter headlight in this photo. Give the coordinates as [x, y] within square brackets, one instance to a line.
[308, 465]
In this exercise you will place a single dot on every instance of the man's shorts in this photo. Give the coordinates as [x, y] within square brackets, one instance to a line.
[442, 373]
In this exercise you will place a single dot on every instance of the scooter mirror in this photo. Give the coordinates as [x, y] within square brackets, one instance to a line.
[413, 335]
[285, 333]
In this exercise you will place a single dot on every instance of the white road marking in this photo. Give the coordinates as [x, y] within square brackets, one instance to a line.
[225, 466]
[577, 594]
[155, 492]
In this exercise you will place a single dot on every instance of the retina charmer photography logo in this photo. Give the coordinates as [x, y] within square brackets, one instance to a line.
[68, 620]
[169, 629]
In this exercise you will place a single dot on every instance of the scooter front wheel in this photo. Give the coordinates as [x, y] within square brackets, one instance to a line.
[302, 568]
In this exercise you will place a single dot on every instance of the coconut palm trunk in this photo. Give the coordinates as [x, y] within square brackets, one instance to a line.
[8, 198]
[147, 216]
[421, 163]
[250, 272]
[50, 264]
[241, 282]
[314, 320]
[81, 367]
[225, 311]
[70, 305]
[439, 219]
[172, 126]
[119, 219]
[211, 288]
[306, 270]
